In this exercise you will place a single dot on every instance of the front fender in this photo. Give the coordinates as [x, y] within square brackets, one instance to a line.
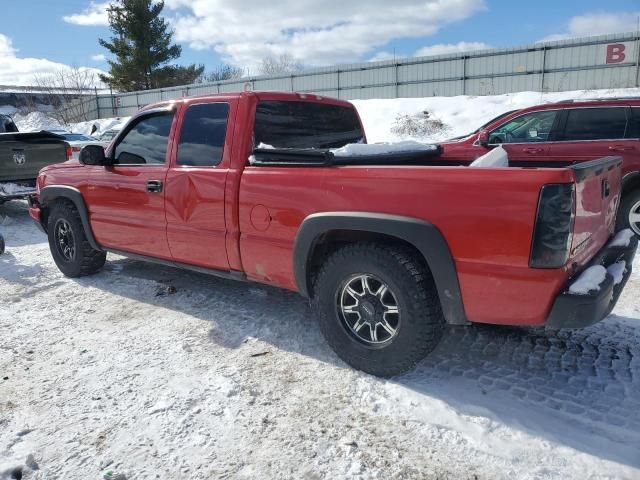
[55, 192]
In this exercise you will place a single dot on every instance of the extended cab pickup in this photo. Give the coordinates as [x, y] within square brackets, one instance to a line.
[280, 188]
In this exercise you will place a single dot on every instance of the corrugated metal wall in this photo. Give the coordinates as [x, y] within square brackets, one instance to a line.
[608, 61]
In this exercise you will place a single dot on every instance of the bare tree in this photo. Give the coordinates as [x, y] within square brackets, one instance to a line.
[71, 93]
[285, 63]
[223, 72]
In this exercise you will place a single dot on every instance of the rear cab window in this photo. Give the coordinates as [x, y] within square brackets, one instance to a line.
[203, 134]
[294, 124]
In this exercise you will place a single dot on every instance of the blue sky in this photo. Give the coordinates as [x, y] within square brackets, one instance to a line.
[243, 31]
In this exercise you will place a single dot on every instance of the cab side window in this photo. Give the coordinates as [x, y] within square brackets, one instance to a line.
[530, 127]
[203, 132]
[595, 124]
[146, 141]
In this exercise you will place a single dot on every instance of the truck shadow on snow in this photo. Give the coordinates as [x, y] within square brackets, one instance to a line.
[579, 387]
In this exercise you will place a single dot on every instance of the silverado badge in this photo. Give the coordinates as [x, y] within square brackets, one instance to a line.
[19, 157]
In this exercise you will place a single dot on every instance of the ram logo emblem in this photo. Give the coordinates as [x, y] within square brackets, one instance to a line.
[19, 157]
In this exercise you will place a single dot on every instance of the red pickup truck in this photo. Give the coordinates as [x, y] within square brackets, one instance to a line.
[261, 187]
[563, 133]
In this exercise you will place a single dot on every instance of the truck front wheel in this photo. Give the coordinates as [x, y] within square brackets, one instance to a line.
[629, 212]
[378, 308]
[68, 243]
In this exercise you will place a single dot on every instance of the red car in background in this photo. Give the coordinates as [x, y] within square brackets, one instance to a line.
[561, 134]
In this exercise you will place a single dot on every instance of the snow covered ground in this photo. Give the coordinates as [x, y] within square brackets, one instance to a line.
[121, 373]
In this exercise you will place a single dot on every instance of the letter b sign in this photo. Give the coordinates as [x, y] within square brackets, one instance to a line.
[615, 53]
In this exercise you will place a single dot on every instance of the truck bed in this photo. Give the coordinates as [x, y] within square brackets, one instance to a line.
[22, 155]
[487, 216]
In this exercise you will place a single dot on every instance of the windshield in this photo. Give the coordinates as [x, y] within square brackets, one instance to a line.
[283, 124]
[485, 125]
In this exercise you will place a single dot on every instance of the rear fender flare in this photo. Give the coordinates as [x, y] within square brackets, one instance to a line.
[55, 192]
[630, 182]
[422, 235]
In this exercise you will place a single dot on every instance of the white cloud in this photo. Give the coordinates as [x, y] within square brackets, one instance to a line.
[442, 48]
[94, 15]
[245, 31]
[597, 23]
[23, 71]
[99, 57]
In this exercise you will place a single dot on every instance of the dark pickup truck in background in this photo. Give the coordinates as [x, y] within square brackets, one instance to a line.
[22, 155]
[281, 188]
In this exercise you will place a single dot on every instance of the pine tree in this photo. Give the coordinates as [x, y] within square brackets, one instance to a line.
[142, 47]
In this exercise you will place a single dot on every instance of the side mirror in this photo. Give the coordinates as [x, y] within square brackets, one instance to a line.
[93, 155]
[483, 138]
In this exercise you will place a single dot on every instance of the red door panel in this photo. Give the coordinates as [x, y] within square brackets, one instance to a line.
[195, 216]
[196, 184]
[124, 215]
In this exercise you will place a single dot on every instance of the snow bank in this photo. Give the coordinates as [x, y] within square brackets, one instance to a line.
[622, 239]
[13, 189]
[617, 271]
[104, 124]
[589, 280]
[36, 121]
[7, 109]
[357, 149]
[463, 114]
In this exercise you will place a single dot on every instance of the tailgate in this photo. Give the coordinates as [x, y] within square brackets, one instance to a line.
[22, 155]
[597, 196]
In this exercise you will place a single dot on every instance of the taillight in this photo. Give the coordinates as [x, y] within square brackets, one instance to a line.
[69, 152]
[553, 230]
[75, 149]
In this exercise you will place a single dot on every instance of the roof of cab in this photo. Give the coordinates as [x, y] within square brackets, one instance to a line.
[260, 95]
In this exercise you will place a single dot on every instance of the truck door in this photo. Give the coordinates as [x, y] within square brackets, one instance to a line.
[526, 138]
[195, 189]
[126, 200]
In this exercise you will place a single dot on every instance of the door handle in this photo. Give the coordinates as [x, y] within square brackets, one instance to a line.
[154, 186]
[533, 150]
[621, 148]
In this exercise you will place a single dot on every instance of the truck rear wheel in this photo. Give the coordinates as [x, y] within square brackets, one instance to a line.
[68, 243]
[629, 212]
[378, 308]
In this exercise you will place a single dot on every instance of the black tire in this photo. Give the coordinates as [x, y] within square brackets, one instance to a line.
[630, 203]
[420, 323]
[77, 260]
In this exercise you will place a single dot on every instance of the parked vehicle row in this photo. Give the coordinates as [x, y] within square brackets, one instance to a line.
[389, 247]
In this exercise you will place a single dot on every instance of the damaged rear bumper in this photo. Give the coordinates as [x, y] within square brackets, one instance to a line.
[576, 311]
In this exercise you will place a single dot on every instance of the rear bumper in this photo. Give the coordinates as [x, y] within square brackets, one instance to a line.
[577, 311]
